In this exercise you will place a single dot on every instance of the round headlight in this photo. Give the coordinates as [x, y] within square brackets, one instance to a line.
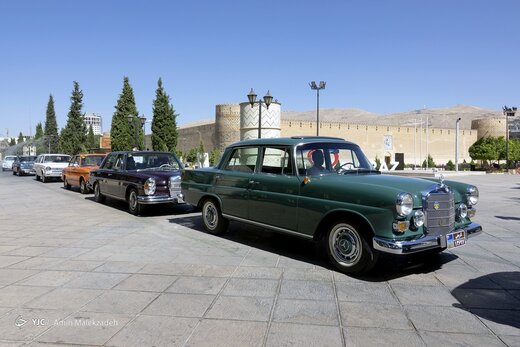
[48, 168]
[149, 186]
[462, 211]
[418, 218]
[472, 193]
[404, 204]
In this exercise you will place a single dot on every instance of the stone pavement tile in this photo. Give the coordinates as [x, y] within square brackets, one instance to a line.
[463, 276]
[97, 280]
[308, 274]
[120, 302]
[5, 310]
[65, 252]
[241, 308]
[250, 287]
[75, 265]
[120, 267]
[13, 296]
[420, 279]
[7, 260]
[5, 343]
[197, 285]
[154, 331]
[260, 259]
[37, 263]
[306, 312]
[444, 319]
[228, 333]
[341, 277]
[10, 276]
[311, 290]
[30, 251]
[372, 315]
[510, 340]
[381, 337]
[87, 328]
[288, 263]
[188, 270]
[51, 278]
[283, 334]
[365, 292]
[423, 295]
[28, 330]
[501, 322]
[486, 298]
[443, 339]
[66, 299]
[211, 259]
[180, 305]
[146, 283]
[258, 272]
[5, 248]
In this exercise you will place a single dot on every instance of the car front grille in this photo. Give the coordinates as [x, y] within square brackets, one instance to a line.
[439, 208]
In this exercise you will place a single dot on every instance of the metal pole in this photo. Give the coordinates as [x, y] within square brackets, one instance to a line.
[317, 112]
[427, 142]
[136, 135]
[414, 143]
[260, 119]
[420, 142]
[507, 141]
[457, 146]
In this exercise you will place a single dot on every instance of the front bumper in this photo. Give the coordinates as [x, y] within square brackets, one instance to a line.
[418, 245]
[160, 199]
[27, 171]
[56, 174]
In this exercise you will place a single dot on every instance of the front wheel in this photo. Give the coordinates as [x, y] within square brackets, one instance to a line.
[348, 249]
[98, 197]
[83, 189]
[44, 179]
[212, 219]
[133, 204]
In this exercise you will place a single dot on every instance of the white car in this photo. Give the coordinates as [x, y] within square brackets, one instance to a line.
[7, 163]
[47, 166]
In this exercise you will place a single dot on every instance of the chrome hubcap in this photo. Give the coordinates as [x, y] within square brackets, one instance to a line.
[210, 215]
[133, 200]
[345, 245]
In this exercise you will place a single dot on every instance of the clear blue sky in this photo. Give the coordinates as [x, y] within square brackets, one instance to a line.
[381, 56]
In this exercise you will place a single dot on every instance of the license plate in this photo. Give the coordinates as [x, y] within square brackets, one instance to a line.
[456, 239]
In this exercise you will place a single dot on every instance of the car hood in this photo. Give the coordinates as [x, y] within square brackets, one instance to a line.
[161, 176]
[55, 165]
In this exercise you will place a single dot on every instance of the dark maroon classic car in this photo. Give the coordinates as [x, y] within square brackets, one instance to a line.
[139, 178]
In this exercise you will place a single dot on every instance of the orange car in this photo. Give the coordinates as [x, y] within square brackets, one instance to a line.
[78, 171]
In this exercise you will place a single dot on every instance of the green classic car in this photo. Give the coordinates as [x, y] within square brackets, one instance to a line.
[325, 189]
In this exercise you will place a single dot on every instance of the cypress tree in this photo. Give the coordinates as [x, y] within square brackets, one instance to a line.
[74, 135]
[164, 125]
[20, 138]
[12, 142]
[51, 127]
[39, 131]
[91, 139]
[122, 133]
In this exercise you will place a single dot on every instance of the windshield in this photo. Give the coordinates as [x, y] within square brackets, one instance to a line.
[57, 159]
[331, 158]
[27, 158]
[92, 160]
[143, 161]
[9, 158]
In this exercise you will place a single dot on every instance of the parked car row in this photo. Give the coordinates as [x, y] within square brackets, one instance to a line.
[319, 188]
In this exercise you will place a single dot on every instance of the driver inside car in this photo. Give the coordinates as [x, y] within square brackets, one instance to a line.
[317, 164]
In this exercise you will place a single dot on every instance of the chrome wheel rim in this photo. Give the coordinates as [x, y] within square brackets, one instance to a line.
[96, 190]
[82, 186]
[345, 245]
[132, 200]
[210, 216]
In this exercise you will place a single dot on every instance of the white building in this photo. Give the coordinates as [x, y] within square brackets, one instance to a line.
[95, 120]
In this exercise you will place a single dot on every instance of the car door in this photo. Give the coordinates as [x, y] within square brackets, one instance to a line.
[233, 181]
[38, 165]
[73, 171]
[104, 174]
[274, 190]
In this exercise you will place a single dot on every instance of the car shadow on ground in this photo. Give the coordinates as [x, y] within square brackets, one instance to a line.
[507, 217]
[388, 267]
[148, 210]
[494, 297]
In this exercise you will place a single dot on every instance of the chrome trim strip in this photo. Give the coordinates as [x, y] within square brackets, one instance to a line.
[149, 200]
[421, 244]
[267, 226]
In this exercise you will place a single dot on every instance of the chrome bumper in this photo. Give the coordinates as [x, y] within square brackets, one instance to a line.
[421, 244]
[160, 199]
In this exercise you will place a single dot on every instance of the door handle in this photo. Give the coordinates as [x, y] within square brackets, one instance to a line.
[253, 182]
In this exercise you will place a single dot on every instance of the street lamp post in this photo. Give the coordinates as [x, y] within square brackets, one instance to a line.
[137, 122]
[252, 100]
[457, 145]
[317, 88]
[508, 112]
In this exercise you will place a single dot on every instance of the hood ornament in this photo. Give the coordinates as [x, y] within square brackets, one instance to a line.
[441, 180]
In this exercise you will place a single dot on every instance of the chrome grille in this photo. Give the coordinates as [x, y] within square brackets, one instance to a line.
[174, 185]
[439, 208]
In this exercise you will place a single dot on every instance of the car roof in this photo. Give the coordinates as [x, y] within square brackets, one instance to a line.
[140, 152]
[290, 141]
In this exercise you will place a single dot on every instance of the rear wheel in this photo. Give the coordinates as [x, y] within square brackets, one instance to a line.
[83, 186]
[348, 249]
[133, 204]
[212, 219]
[37, 177]
[98, 197]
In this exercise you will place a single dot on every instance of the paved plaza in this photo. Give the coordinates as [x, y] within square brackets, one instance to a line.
[76, 272]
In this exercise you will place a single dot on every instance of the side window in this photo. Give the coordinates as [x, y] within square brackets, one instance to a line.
[277, 161]
[243, 160]
[119, 162]
[111, 160]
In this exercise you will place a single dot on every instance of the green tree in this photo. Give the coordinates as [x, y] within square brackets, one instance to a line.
[73, 137]
[51, 127]
[39, 131]
[164, 125]
[450, 166]
[21, 138]
[91, 139]
[431, 163]
[12, 142]
[214, 157]
[378, 163]
[485, 148]
[192, 155]
[122, 133]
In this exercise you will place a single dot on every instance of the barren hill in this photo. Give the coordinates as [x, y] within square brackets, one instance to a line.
[437, 117]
